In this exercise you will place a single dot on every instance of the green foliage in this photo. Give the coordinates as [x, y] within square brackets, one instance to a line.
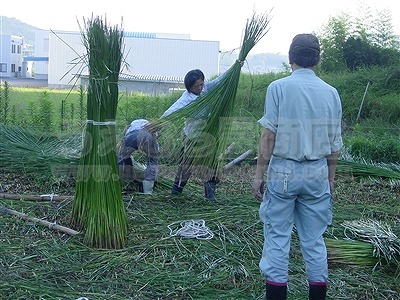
[332, 39]
[382, 97]
[251, 93]
[375, 143]
[4, 102]
[45, 113]
[380, 108]
[360, 53]
[82, 108]
[13, 116]
[360, 42]
[141, 106]
[383, 31]
[40, 117]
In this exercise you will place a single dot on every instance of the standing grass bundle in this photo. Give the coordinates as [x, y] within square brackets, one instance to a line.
[98, 206]
[214, 109]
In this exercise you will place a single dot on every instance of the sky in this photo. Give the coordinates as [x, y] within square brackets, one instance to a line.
[213, 20]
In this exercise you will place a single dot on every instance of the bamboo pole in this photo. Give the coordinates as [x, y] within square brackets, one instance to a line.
[40, 221]
[362, 102]
[237, 160]
[50, 197]
[229, 148]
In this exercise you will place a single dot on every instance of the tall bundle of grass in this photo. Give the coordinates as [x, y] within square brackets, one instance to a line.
[215, 108]
[98, 206]
[369, 242]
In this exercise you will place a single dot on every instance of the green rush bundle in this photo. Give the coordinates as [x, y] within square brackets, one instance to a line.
[40, 153]
[214, 108]
[98, 206]
[351, 252]
[368, 243]
[363, 168]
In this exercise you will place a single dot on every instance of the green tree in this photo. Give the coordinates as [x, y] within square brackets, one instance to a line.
[358, 42]
[383, 33]
[5, 102]
[332, 38]
[361, 23]
[45, 112]
[358, 53]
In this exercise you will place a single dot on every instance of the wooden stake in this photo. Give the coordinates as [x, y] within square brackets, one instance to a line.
[40, 221]
[35, 197]
[362, 102]
[237, 160]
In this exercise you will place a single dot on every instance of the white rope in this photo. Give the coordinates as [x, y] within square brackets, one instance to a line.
[100, 123]
[191, 229]
[95, 123]
[49, 195]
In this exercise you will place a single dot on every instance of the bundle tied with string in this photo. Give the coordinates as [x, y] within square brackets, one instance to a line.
[98, 206]
[213, 111]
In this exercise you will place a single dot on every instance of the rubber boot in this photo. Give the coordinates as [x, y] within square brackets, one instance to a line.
[209, 190]
[177, 187]
[148, 187]
[276, 291]
[317, 291]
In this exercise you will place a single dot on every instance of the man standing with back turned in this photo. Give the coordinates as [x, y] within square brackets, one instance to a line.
[299, 146]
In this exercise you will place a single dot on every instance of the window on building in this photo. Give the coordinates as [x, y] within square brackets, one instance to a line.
[12, 48]
[46, 45]
[12, 68]
[3, 67]
[19, 49]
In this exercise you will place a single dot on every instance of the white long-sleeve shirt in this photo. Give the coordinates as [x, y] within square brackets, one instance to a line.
[136, 125]
[186, 99]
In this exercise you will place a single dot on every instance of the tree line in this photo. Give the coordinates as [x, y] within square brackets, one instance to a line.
[352, 43]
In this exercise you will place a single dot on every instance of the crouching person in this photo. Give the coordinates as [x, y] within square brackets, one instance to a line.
[138, 138]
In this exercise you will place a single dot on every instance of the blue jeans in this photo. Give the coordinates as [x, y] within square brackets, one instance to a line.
[297, 193]
[146, 142]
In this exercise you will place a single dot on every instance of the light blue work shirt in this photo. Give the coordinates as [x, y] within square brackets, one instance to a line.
[305, 114]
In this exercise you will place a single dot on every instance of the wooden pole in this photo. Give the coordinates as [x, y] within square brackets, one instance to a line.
[34, 197]
[362, 102]
[40, 221]
[237, 160]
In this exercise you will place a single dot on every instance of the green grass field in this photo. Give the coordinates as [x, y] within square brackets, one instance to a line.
[38, 262]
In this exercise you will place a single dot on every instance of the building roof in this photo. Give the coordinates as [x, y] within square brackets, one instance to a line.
[146, 78]
[150, 35]
[152, 78]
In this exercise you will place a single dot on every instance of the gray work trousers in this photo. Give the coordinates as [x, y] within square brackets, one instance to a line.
[297, 193]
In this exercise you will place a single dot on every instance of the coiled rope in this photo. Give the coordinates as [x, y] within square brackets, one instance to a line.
[191, 229]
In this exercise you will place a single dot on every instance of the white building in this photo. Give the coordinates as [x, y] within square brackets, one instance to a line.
[156, 62]
[10, 55]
